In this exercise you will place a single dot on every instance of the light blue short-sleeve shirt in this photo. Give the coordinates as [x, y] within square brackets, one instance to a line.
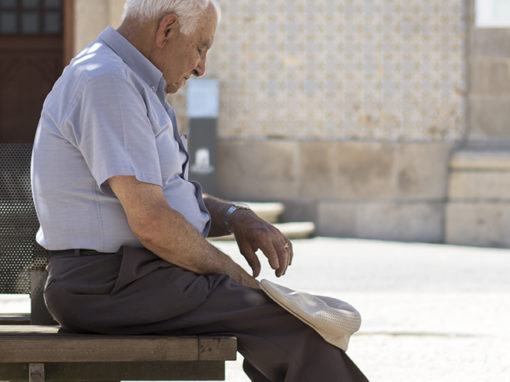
[106, 116]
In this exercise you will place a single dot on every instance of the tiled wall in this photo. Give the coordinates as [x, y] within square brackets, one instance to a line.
[342, 69]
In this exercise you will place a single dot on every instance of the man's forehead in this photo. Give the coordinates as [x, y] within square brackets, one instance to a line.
[207, 26]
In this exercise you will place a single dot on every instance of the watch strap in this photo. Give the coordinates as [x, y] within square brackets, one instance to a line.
[231, 210]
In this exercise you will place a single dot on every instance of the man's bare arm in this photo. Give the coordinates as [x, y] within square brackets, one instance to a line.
[166, 233]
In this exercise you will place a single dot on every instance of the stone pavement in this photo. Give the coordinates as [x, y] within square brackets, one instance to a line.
[431, 313]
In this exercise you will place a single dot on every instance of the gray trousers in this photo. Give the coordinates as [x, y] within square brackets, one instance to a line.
[135, 292]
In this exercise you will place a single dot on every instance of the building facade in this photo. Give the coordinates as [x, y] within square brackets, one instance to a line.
[381, 119]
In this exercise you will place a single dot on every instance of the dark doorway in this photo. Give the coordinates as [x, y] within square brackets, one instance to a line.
[31, 60]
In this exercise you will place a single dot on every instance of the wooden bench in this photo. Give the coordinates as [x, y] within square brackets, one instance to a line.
[32, 349]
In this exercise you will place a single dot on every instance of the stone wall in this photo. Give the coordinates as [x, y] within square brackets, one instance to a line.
[489, 97]
[381, 190]
[478, 212]
[92, 16]
[478, 209]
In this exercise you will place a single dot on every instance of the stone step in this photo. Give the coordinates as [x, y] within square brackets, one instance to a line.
[298, 230]
[270, 212]
[480, 160]
[479, 175]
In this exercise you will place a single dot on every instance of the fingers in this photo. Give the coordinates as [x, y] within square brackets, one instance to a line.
[251, 257]
[290, 249]
[279, 254]
[253, 233]
[274, 257]
[285, 255]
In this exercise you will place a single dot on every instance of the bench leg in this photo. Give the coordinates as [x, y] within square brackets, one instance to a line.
[36, 372]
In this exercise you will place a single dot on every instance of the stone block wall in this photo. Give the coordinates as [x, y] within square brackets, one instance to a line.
[489, 96]
[478, 209]
[379, 190]
[478, 212]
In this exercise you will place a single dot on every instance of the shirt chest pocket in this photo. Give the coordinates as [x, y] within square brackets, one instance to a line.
[171, 159]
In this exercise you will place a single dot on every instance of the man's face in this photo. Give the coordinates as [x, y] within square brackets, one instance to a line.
[183, 55]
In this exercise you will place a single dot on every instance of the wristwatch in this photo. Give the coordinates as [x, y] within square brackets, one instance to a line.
[231, 210]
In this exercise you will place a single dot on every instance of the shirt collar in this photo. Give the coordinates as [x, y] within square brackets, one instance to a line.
[133, 58]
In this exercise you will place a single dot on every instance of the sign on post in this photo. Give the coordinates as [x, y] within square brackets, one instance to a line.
[203, 109]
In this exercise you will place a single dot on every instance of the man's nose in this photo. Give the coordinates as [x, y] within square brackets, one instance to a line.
[200, 68]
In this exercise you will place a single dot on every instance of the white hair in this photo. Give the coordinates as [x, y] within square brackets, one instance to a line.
[189, 11]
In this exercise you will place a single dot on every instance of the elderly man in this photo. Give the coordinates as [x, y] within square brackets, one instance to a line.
[125, 228]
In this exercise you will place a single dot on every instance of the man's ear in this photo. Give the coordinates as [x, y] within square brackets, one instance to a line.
[168, 26]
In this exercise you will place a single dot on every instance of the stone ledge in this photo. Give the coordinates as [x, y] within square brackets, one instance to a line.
[480, 160]
[298, 230]
[270, 212]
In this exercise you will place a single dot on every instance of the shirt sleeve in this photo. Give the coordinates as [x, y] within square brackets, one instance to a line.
[114, 133]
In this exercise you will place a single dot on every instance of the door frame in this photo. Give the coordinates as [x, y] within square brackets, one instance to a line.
[68, 31]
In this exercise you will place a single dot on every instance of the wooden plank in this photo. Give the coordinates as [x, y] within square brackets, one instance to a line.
[132, 371]
[217, 348]
[27, 330]
[14, 318]
[93, 349]
[33, 343]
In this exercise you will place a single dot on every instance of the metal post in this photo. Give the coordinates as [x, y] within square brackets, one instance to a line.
[203, 109]
[36, 372]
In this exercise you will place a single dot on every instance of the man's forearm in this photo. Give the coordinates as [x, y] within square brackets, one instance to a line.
[180, 243]
[165, 232]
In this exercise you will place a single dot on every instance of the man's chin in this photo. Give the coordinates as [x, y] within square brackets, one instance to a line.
[172, 89]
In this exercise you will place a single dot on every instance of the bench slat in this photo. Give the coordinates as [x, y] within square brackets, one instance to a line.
[14, 318]
[41, 344]
[130, 371]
